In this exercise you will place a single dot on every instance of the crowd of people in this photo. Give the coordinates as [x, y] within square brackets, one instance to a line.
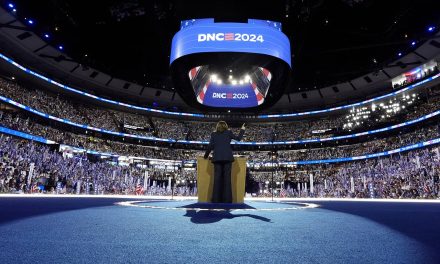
[29, 167]
[132, 123]
[412, 175]
[22, 123]
[373, 146]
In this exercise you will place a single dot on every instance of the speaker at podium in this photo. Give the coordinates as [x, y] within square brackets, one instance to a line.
[205, 179]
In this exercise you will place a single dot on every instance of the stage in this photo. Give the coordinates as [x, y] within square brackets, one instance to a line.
[137, 229]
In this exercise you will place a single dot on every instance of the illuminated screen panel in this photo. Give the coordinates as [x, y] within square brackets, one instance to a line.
[257, 36]
[224, 89]
[233, 96]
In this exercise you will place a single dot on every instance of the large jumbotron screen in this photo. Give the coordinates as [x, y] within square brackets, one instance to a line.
[230, 65]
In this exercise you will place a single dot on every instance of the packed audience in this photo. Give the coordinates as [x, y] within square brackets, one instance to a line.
[412, 175]
[28, 167]
[373, 146]
[60, 106]
[22, 123]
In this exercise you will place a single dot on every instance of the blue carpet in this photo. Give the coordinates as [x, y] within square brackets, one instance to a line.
[80, 230]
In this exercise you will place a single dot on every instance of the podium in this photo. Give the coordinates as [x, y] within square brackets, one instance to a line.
[205, 179]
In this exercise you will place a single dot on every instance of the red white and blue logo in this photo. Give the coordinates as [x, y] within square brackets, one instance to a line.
[236, 96]
[202, 37]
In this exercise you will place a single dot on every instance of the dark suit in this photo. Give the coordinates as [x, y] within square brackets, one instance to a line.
[220, 144]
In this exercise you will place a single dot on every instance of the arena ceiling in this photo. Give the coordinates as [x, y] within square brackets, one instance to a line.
[332, 41]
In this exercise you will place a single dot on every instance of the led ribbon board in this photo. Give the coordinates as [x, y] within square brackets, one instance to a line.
[230, 65]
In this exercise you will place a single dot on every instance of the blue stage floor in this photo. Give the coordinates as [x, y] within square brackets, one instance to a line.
[96, 230]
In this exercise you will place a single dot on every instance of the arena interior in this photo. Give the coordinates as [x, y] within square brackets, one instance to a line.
[105, 108]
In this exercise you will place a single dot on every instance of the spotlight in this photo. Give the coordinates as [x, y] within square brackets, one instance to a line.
[399, 54]
[234, 82]
[60, 47]
[46, 35]
[219, 81]
[31, 21]
[241, 82]
[213, 77]
[14, 10]
[413, 43]
[11, 5]
[431, 28]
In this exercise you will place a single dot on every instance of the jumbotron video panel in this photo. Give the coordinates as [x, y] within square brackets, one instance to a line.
[230, 65]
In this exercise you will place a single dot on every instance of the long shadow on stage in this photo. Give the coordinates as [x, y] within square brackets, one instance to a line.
[416, 220]
[16, 208]
[210, 212]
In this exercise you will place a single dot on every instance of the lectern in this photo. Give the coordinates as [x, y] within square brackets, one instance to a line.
[205, 179]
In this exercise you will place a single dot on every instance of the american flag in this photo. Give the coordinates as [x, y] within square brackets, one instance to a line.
[139, 190]
[229, 36]
[427, 189]
[283, 192]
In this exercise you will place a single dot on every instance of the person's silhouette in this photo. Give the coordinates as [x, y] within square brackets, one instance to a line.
[209, 216]
[220, 144]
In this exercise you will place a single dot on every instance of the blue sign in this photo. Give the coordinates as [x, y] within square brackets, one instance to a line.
[234, 96]
[256, 36]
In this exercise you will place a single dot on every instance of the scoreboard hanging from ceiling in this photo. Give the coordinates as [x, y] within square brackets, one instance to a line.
[230, 66]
